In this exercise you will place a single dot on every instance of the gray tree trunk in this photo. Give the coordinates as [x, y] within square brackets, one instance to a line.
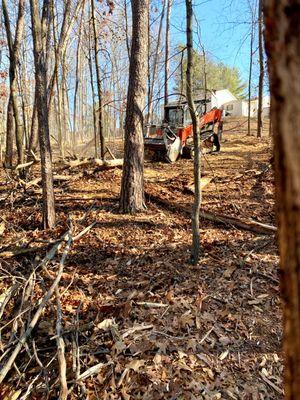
[261, 71]
[99, 84]
[14, 58]
[250, 79]
[197, 159]
[167, 55]
[38, 34]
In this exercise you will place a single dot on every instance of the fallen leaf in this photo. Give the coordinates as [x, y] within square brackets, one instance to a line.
[106, 324]
[135, 365]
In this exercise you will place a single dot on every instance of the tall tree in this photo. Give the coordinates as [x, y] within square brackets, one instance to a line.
[250, 76]
[132, 189]
[282, 37]
[189, 94]
[167, 54]
[99, 83]
[39, 33]
[14, 57]
[154, 66]
[261, 70]
[217, 75]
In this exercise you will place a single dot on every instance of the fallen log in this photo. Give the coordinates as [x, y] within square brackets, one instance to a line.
[96, 162]
[56, 178]
[249, 225]
[107, 164]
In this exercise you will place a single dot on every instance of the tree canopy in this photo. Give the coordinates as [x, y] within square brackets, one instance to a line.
[219, 76]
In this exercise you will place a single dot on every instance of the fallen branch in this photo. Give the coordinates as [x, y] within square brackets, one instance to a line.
[56, 178]
[271, 384]
[110, 153]
[18, 251]
[134, 329]
[6, 368]
[249, 225]
[151, 305]
[96, 162]
[84, 231]
[25, 165]
[92, 371]
[61, 350]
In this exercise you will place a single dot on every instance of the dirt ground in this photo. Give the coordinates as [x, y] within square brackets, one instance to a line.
[160, 327]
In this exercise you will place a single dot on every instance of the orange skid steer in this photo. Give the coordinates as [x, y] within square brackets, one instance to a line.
[175, 136]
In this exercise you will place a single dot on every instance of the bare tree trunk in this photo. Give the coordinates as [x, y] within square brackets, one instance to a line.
[99, 84]
[77, 81]
[250, 79]
[282, 37]
[60, 49]
[34, 137]
[14, 57]
[9, 134]
[167, 55]
[189, 94]
[38, 34]
[261, 71]
[126, 28]
[132, 189]
[205, 79]
[155, 61]
[94, 106]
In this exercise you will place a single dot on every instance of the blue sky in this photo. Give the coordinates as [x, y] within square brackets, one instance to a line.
[224, 27]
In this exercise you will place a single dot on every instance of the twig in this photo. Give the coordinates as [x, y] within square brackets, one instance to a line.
[206, 335]
[168, 336]
[7, 297]
[270, 383]
[61, 350]
[134, 329]
[84, 231]
[92, 371]
[151, 305]
[5, 369]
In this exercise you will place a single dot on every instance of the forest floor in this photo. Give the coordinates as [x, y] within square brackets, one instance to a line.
[154, 326]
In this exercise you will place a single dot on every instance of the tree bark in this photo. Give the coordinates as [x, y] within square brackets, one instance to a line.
[282, 37]
[38, 32]
[34, 138]
[9, 134]
[154, 70]
[99, 84]
[250, 79]
[132, 189]
[261, 71]
[197, 160]
[77, 82]
[14, 49]
[167, 55]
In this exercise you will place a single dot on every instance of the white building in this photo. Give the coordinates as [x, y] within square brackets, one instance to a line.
[239, 108]
[231, 105]
[219, 98]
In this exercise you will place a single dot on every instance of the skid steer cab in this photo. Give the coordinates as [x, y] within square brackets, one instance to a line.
[174, 138]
